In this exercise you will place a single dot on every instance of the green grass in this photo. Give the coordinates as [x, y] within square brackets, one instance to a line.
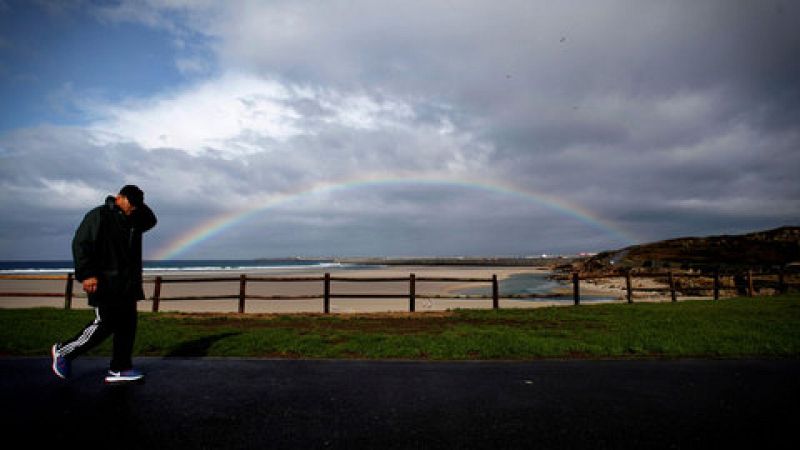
[730, 328]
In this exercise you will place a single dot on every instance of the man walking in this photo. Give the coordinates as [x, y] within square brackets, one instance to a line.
[107, 252]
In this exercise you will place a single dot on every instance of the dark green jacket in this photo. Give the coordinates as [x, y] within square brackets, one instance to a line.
[108, 245]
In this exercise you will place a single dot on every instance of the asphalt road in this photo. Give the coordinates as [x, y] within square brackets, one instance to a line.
[234, 403]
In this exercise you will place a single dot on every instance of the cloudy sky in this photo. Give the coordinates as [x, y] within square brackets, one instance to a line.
[321, 128]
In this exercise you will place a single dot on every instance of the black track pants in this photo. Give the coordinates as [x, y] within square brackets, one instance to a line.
[118, 320]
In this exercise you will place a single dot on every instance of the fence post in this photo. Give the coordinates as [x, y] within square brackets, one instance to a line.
[242, 292]
[672, 292]
[68, 292]
[750, 290]
[156, 293]
[629, 286]
[412, 294]
[781, 281]
[495, 293]
[326, 297]
[716, 284]
[576, 288]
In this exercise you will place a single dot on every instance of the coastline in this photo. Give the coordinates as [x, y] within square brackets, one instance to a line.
[338, 305]
[603, 290]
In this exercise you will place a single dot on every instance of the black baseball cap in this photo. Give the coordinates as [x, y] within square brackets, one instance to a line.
[133, 194]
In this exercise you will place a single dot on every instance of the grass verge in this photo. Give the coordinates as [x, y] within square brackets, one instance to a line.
[730, 328]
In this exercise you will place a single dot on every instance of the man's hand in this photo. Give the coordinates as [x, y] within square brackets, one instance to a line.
[90, 285]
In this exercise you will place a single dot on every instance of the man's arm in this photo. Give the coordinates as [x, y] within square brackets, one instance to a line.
[83, 248]
[143, 218]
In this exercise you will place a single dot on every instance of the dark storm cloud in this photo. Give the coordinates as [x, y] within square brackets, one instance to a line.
[605, 91]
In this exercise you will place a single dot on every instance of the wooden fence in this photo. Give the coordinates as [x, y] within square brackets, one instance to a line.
[718, 282]
[327, 295]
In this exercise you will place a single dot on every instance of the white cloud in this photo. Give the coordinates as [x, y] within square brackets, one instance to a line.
[192, 66]
[54, 194]
[364, 113]
[216, 115]
[69, 193]
[237, 115]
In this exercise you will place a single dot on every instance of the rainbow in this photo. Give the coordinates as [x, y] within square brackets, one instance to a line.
[226, 221]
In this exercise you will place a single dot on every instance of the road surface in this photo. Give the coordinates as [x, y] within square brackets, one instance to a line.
[282, 404]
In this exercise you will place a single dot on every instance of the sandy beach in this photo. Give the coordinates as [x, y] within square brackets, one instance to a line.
[313, 288]
[612, 289]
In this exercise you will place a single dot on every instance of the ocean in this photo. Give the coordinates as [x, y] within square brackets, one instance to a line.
[195, 265]
[536, 283]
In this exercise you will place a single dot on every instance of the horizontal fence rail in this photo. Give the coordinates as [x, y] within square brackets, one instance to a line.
[327, 295]
[718, 283]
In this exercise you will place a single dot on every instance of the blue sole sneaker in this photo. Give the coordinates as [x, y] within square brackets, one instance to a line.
[61, 366]
[124, 376]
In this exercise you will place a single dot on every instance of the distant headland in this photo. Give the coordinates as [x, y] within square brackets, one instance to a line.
[543, 261]
[779, 247]
[762, 249]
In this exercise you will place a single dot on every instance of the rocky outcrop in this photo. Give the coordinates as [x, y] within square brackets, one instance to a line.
[760, 250]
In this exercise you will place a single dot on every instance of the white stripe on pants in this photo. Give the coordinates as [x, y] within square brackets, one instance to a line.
[84, 337]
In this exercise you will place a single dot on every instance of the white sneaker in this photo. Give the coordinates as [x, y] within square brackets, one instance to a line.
[125, 376]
